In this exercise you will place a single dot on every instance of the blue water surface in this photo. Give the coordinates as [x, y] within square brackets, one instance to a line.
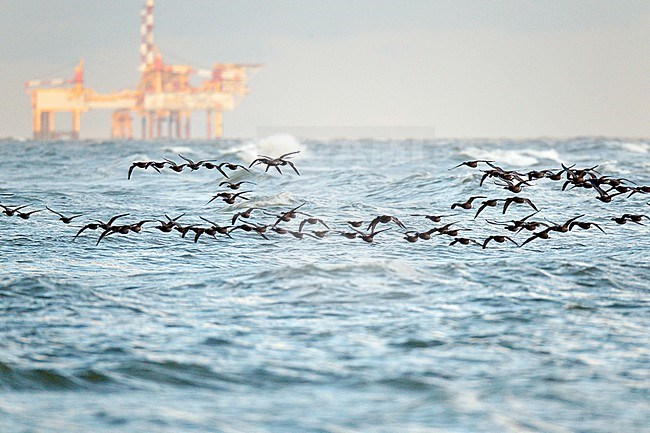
[153, 332]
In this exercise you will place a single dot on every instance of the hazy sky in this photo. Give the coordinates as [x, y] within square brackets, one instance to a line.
[461, 68]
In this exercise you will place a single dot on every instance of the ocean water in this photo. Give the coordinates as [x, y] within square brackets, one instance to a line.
[152, 332]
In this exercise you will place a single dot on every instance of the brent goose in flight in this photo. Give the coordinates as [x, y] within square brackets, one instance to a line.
[62, 218]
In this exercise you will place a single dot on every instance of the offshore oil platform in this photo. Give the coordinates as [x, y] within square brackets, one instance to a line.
[164, 95]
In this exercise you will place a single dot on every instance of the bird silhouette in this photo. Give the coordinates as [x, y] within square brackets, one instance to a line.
[12, 211]
[234, 185]
[278, 162]
[467, 204]
[471, 164]
[498, 239]
[63, 218]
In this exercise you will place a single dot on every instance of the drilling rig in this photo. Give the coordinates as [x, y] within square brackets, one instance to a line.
[164, 95]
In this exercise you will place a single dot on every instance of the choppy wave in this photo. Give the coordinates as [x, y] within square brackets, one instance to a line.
[273, 145]
[178, 149]
[281, 199]
[48, 379]
[514, 157]
[636, 147]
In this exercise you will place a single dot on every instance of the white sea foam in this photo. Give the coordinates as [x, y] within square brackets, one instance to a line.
[274, 145]
[137, 157]
[636, 147]
[282, 199]
[520, 157]
[178, 149]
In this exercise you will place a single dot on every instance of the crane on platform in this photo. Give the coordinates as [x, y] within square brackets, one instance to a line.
[164, 94]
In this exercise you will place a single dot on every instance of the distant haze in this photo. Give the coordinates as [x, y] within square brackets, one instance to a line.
[440, 68]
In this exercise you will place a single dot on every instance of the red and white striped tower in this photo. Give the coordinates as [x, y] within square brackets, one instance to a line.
[146, 60]
[146, 36]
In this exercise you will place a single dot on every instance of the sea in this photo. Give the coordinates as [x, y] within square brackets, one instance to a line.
[153, 332]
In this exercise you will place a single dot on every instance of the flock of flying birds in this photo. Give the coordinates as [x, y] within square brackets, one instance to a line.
[606, 187]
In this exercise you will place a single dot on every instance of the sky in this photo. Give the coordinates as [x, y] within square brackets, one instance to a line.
[452, 69]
